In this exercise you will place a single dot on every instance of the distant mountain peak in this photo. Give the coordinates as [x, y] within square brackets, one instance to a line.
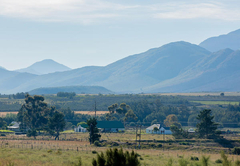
[45, 66]
[230, 40]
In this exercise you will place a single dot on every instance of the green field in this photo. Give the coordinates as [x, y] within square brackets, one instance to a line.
[217, 102]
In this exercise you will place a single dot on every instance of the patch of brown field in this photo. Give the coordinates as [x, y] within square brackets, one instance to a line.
[3, 114]
[91, 112]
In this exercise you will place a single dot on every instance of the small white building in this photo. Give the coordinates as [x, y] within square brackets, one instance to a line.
[191, 130]
[80, 129]
[161, 130]
[14, 126]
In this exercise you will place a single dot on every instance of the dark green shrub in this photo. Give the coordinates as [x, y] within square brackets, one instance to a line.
[94, 152]
[194, 158]
[218, 161]
[116, 157]
[3, 135]
[97, 143]
[159, 145]
[184, 143]
[236, 150]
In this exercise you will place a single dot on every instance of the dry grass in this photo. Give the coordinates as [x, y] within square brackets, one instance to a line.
[3, 114]
[91, 112]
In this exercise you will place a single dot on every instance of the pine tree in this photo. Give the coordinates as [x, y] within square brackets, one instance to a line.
[206, 127]
[93, 130]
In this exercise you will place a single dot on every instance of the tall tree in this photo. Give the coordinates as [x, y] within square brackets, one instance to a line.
[93, 130]
[206, 126]
[172, 120]
[56, 124]
[34, 114]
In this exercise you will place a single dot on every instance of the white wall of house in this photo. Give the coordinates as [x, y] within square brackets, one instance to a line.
[162, 130]
[80, 129]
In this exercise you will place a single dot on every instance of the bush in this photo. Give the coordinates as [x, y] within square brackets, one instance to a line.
[218, 161]
[94, 152]
[184, 143]
[116, 157]
[59, 152]
[237, 163]
[236, 150]
[159, 145]
[97, 143]
[49, 151]
[194, 158]
[3, 135]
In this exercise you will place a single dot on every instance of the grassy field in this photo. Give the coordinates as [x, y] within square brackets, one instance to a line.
[217, 102]
[55, 153]
[21, 150]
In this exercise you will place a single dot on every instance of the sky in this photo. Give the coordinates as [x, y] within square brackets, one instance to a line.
[80, 33]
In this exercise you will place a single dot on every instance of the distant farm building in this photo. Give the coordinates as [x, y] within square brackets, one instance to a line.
[158, 129]
[14, 126]
[110, 126]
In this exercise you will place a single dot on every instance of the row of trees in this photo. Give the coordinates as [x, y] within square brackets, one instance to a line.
[66, 94]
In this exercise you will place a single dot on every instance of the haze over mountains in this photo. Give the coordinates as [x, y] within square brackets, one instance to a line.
[174, 67]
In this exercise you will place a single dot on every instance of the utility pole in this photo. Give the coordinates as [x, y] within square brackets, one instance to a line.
[136, 134]
[95, 108]
[140, 136]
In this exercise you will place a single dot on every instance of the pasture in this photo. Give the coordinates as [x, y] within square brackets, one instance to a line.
[154, 148]
[21, 150]
[217, 102]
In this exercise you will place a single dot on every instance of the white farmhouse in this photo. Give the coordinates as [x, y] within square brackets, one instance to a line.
[79, 128]
[161, 130]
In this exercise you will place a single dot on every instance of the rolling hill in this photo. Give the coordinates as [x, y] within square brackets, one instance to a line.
[76, 89]
[44, 67]
[230, 40]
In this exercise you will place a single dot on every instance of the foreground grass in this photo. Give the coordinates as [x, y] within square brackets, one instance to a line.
[33, 157]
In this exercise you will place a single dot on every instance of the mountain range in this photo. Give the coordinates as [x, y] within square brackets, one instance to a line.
[174, 67]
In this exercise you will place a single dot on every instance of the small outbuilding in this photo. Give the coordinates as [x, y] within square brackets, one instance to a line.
[14, 126]
[158, 129]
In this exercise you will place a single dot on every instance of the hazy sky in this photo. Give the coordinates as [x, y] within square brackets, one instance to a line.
[80, 33]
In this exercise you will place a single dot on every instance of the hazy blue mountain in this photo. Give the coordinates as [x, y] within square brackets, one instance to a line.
[44, 67]
[219, 71]
[230, 40]
[76, 89]
[2, 67]
[130, 74]
[11, 80]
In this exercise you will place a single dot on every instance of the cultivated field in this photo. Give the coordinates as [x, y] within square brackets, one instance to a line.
[3, 114]
[217, 102]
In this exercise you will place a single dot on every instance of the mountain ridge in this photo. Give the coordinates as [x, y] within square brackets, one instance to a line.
[230, 40]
